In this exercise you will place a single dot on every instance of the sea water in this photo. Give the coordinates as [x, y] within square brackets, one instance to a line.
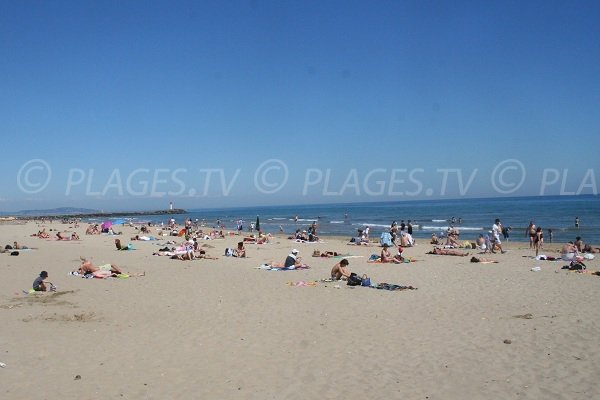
[471, 216]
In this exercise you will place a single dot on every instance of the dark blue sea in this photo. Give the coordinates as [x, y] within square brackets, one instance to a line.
[470, 216]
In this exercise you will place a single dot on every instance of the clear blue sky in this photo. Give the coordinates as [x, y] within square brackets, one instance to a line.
[130, 104]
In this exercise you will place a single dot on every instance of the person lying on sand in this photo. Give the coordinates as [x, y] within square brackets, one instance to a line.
[340, 270]
[483, 260]
[190, 255]
[120, 246]
[588, 249]
[447, 252]
[101, 271]
[318, 253]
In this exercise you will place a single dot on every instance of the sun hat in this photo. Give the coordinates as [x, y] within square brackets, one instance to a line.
[295, 251]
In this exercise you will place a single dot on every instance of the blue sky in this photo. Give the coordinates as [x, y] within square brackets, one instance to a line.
[129, 105]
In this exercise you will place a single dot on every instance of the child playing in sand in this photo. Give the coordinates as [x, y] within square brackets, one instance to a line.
[39, 284]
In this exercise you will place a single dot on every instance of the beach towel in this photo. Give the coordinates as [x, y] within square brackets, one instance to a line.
[280, 267]
[389, 286]
[301, 283]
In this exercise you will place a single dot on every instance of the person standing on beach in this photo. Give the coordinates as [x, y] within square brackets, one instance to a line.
[539, 240]
[496, 231]
[550, 235]
[409, 227]
[530, 232]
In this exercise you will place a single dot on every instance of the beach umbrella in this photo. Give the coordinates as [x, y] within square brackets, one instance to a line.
[257, 224]
[106, 225]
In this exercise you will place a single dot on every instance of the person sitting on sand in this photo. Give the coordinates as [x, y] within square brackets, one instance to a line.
[484, 243]
[39, 284]
[398, 257]
[434, 239]
[569, 252]
[340, 270]
[579, 243]
[452, 237]
[447, 252]
[292, 260]
[386, 256]
[240, 251]
[483, 260]
[74, 236]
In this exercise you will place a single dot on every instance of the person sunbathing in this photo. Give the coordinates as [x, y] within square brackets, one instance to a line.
[483, 260]
[43, 234]
[447, 252]
[588, 249]
[100, 271]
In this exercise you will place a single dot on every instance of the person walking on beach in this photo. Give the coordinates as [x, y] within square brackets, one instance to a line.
[496, 232]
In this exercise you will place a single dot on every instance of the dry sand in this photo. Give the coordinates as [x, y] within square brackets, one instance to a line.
[222, 329]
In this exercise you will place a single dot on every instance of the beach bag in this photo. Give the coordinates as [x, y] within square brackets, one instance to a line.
[576, 266]
[228, 252]
[354, 280]
[365, 281]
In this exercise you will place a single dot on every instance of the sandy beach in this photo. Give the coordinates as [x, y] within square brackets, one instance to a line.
[223, 329]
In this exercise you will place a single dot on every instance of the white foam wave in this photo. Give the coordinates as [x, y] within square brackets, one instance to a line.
[445, 228]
